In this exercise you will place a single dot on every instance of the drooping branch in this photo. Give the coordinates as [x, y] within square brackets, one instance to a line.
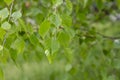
[102, 35]
[109, 37]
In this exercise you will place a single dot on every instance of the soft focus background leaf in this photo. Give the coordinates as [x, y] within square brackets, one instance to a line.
[6, 26]
[4, 13]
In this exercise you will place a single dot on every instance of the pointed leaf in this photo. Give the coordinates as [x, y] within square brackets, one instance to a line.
[44, 28]
[13, 54]
[34, 40]
[64, 38]
[8, 2]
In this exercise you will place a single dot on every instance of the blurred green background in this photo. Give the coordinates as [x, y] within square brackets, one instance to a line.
[94, 50]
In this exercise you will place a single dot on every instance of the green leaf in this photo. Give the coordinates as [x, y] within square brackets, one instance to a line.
[4, 14]
[18, 45]
[1, 74]
[64, 38]
[1, 47]
[52, 44]
[2, 33]
[8, 2]
[6, 25]
[56, 20]
[66, 20]
[69, 6]
[34, 40]
[16, 15]
[13, 54]
[51, 47]
[57, 3]
[44, 28]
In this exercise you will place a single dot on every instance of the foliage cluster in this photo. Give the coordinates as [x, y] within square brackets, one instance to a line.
[85, 33]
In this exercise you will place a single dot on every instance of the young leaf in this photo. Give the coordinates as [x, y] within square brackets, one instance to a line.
[8, 2]
[44, 28]
[16, 15]
[4, 14]
[6, 25]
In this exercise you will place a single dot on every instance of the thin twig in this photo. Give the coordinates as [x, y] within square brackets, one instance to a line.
[11, 8]
[4, 40]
